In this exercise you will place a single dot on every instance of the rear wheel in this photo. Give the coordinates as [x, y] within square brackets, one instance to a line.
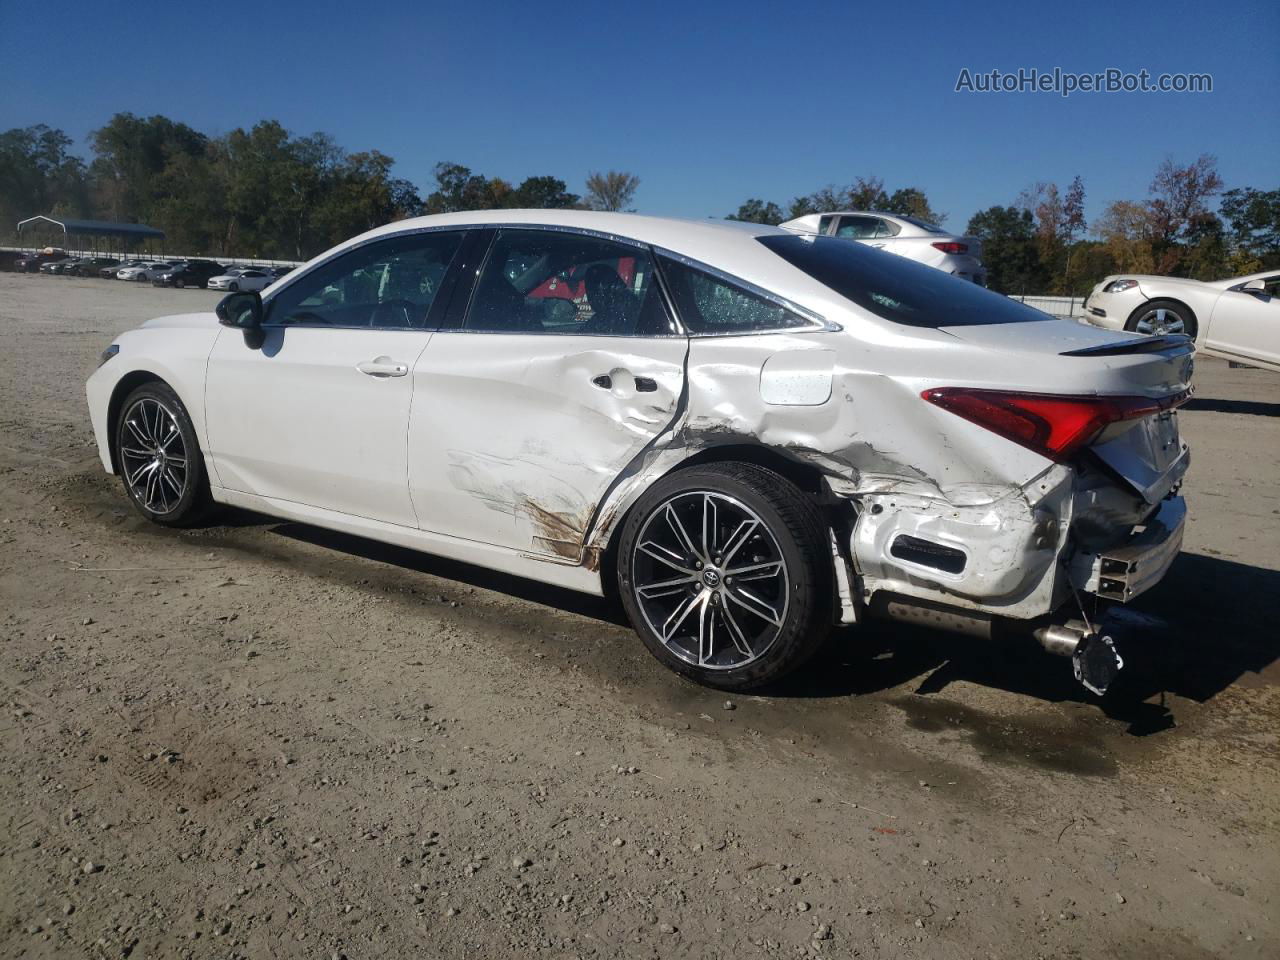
[1160, 317]
[159, 457]
[724, 574]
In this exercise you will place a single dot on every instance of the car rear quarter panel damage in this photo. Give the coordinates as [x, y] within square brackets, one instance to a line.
[888, 465]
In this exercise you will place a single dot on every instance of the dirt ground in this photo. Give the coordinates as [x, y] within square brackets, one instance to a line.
[260, 739]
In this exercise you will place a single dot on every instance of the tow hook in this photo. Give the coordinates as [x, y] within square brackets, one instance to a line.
[1094, 658]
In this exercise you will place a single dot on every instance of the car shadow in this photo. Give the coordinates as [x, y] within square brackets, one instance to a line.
[598, 608]
[1187, 637]
[1256, 408]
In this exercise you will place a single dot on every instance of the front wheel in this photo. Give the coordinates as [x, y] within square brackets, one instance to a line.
[159, 457]
[724, 573]
[1160, 317]
[234, 288]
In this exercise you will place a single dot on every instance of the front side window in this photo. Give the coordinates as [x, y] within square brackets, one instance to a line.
[710, 305]
[547, 281]
[387, 284]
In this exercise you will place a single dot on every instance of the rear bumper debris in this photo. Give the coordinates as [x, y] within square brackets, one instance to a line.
[1136, 566]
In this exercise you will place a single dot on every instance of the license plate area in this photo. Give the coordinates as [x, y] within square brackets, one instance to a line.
[1150, 455]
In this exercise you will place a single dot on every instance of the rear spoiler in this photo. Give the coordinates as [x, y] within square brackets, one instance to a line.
[1169, 341]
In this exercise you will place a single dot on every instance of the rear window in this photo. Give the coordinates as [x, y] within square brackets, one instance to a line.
[896, 288]
[923, 224]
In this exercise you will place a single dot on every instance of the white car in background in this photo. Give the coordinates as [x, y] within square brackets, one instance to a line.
[746, 433]
[242, 278]
[908, 237]
[1235, 319]
[147, 271]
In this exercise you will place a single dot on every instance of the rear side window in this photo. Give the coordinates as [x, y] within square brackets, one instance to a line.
[554, 282]
[859, 228]
[896, 288]
[710, 305]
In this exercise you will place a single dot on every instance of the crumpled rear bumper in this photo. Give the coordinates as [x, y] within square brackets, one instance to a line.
[1134, 567]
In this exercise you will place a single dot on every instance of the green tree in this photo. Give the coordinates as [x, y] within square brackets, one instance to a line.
[457, 188]
[912, 202]
[1253, 218]
[758, 211]
[544, 193]
[1009, 249]
[39, 174]
[611, 191]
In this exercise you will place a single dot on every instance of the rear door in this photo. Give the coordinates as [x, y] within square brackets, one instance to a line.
[318, 413]
[565, 367]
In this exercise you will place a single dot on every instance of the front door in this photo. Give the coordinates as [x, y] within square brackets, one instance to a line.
[1247, 325]
[566, 367]
[318, 413]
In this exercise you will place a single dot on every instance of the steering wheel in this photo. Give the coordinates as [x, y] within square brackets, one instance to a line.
[394, 313]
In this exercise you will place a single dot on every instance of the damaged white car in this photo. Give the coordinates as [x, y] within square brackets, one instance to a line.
[750, 435]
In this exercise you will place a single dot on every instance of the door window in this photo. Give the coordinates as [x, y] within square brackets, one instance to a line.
[858, 228]
[553, 282]
[711, 305]
[387, 284]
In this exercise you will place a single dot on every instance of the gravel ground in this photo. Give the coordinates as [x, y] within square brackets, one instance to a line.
[260, 739]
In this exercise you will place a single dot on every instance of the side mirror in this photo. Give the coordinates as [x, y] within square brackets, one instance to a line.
[240, 310]
[1255, 287]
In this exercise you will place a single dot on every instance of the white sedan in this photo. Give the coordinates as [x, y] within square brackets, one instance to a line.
[145, 272]
[750, 435]
[242, 279]
[926, 243]
[1236, 319]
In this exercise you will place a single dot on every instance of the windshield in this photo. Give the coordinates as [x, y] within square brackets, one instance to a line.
[896, 288]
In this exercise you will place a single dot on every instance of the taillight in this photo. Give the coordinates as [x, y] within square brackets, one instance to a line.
[1055, 425]
[951, 246]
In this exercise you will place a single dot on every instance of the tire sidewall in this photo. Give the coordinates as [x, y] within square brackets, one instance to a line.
[1188, 321]
[195, 496]
[801, 631]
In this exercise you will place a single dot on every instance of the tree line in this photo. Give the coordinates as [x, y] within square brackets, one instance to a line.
[1041, 243]
[265, 192]
[262, 192]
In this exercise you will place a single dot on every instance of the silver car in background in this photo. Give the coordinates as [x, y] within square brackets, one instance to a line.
[927, 243]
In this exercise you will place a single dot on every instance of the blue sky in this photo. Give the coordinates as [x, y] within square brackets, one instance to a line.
[708, 103]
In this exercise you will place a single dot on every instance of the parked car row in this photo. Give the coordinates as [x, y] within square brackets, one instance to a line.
[160, 273]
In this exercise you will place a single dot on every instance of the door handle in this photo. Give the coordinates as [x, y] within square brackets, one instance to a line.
[646, 385]
[604, 381]
[382, 367]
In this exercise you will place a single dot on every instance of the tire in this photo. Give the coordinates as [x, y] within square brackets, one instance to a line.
[152, 459]
[234, 287]
[179, 283]
[717, 632]
[1157, 317]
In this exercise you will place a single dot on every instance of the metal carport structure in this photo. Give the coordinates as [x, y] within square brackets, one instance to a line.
[130, 235]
